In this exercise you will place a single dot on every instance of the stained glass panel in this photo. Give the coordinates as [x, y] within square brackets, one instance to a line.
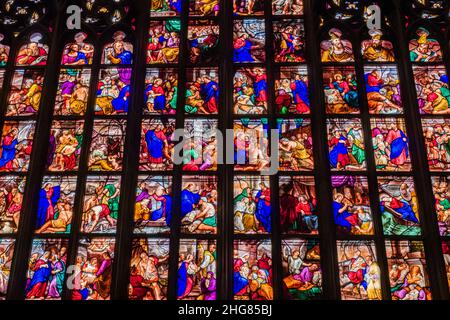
[114, 89]
[408, 275]
[149, 269]
[377, 49]
[248, 7]
[197, 275]
[106, 151]
[79, 52]
[351, 205]
[119, 52]
[24, 97]
[161, 91]
[252, 205]
[203, 41]
[399, 206]
[359, 271]
[441, 191]
[73, 92]
[164, 41]
[7, 253]
[390, 144]
[336, 48]
[302, 275]
[292, 90]
[156, 144]
[383, 89]
[287, 7]
[33, 53]
[298, 205]
[295, 144]
[252, 269]
[341, 90]
[436, 133]
[423, 47]
[17, 144]
[66, 140]
[200, 148]
[56, 205]
[204, 8]
[250, 91]
[199, 204]
[251, 144]
[101, 204]
[432, 89]
[153, 207]
[95, 258]
[46, 269]
[202, 91]
[12, 189]
[289, 41]
[346, 145]
[248, 41]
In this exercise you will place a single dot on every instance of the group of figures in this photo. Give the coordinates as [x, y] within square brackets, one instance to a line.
[164, 42]
[11, 197]
[153, 207]
[252, 205]
[250, 91]
[441, 190]
[252, 270]
[302, 275]
[436, 133]
[197, 270]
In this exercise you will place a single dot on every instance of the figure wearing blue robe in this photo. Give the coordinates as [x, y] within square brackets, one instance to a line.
[240, 282]
[351, 97]
[121, 102]
[398, 145]
[243, 54]
[404, 209]
[8, 152]
[182, 280]
[188, 200]
[44, 205]
[262, 212]
[339, 149]
[300, 92]
[176, 5]
[155, 145]
[126, 57]
[260, 86]
[81, 56]
[370, 88]
[208, 91]
[41, 275]
[341, 218]
[165, 208]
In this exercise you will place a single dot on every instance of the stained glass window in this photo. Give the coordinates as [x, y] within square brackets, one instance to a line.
[312, 164]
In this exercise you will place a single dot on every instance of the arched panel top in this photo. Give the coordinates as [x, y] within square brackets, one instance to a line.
[336, 48]
[119, 51]
[376, 48]
[423, 47]
[34, 52]
[79, 51]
